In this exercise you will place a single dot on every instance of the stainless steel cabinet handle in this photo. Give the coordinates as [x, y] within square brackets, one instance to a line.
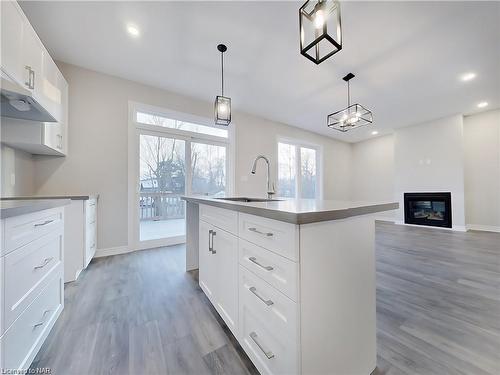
[45, 262]
[254, 260]
[28, 82]
[43, 321]
[42, 224]
[210, 240]
[32, 74]
[59, 141]
[254, 291]
[213, 234]
[255, 230]
[269, 354]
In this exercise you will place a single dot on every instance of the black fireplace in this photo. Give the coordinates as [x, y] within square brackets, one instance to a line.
[428, 209]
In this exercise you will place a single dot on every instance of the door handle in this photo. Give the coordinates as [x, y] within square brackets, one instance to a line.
[254, 291]
[254, 260]
[42, 322]
[210, 240]
[213, 234]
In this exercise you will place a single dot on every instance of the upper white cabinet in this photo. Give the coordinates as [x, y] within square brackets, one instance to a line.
[12, 27]
[27, 63]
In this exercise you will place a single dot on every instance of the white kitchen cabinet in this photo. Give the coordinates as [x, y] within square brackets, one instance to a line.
[219, 271]
[12, 42]
[32, 292]
[39, 138]
[80, 236]
[305, 293]
[27, 62]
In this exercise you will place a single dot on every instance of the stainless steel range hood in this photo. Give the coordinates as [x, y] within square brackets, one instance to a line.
[18, 102]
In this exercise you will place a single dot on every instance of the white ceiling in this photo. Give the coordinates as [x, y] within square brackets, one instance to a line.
[407, 56]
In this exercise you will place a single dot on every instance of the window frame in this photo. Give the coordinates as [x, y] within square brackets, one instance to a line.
[298, 167]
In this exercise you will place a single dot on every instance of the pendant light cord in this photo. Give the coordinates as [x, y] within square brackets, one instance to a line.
[348, 94]
[222, 64]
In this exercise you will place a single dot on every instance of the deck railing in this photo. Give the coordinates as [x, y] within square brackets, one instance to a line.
[160, 206]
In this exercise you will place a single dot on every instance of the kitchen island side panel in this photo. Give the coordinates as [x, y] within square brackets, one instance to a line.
[337, 291]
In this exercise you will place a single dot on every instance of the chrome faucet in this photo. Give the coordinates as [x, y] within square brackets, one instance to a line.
[270, 187]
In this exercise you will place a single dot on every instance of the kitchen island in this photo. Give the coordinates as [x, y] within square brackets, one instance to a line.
[294, 280]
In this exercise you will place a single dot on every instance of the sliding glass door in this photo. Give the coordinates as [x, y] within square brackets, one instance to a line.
[162, 181]
[174, 158]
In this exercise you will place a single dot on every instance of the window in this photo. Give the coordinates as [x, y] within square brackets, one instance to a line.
[298, 170]
[154, 119]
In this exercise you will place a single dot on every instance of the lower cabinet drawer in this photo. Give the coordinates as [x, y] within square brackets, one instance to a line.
[27, 271]
[278, 271]
[23, 339]
[268, 326]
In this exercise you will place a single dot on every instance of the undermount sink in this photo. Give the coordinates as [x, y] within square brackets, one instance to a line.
[248, 200]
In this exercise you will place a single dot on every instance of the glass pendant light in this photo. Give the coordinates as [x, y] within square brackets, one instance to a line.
[320, 29]
[222, 106]
[351, 117]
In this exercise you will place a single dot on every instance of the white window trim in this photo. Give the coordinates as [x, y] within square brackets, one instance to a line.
[135, 127]
[319, 163]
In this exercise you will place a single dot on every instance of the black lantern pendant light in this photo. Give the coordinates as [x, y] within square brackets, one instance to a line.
[222, 106]
[354, 116]
[320, 29]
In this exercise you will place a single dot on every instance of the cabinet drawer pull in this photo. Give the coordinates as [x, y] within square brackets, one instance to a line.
[254, 260]
[255, 230]
[42, 322]
[254, 291]
[44, 223]
[210, 240]
[269, 354]
[45, 262]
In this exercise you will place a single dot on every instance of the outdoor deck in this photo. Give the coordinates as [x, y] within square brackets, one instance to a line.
[152, 230]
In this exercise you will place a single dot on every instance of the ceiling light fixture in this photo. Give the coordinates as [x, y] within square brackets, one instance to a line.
[133, 30]
[222, 106]
[482, 105]
[374, 132]
[320, 29]
[351, 117]
[468, 76]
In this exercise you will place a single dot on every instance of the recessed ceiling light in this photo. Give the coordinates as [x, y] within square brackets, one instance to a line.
[468, 76]
[133, 30]
[374, 132]
[482, 105]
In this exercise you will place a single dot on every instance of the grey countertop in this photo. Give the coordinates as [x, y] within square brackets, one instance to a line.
[9, 208]
[299, 211]
[72, 197]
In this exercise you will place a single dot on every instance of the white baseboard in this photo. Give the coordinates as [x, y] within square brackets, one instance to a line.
[484, 228]
[112, 251]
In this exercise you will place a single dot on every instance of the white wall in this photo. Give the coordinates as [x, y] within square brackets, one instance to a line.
[482, 170]
[372, 175]
[429, 158]
[17, 173]
[97, 160]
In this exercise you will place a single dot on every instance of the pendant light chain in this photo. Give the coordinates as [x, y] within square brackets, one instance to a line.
[348, 94]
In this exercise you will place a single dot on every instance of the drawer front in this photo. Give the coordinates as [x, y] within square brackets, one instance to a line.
[221, 218]
[91, 211]
[21, 230]
[22, 341]
[278, 271]
[27, 271]
[268, 326]
[273, 235]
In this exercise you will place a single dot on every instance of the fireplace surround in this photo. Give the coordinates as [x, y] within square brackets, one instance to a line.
[432, 209]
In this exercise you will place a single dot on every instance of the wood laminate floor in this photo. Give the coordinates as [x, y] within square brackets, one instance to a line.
[438, 312]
